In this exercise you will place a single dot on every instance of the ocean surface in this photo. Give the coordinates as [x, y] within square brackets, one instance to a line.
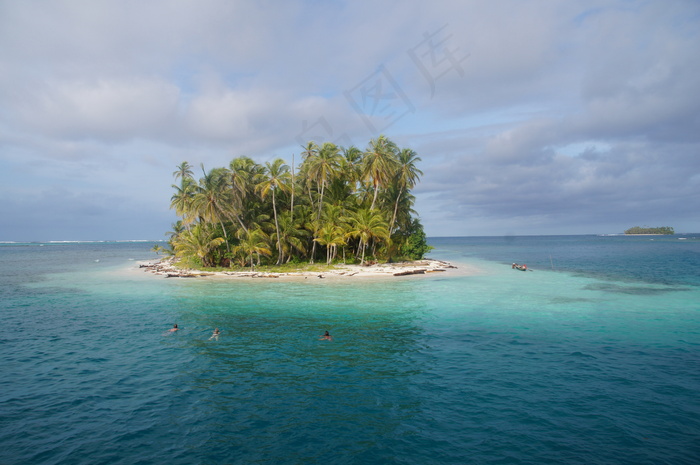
[592, 357]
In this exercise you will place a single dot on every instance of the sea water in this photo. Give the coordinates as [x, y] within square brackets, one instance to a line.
[591, 357]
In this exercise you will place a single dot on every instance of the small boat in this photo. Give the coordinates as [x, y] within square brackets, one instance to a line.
[522, 267]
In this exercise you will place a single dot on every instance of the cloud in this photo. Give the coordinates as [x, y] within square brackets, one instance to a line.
[107, 109]
[629, 182]
[533, 117]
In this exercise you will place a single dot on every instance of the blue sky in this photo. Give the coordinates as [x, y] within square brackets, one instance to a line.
[531, 117]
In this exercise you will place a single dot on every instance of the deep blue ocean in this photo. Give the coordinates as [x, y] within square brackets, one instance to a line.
[592, 357]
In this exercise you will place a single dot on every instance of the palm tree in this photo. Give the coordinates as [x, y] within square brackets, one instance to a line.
[275, 177]
[177, 229]
[213, 200]
[184, 171]
[322, 168]
[253, 242]
[292, 236]
[310, 150]
[331, 236]
[242, 173]
[407, 175]
[160, 249]
[200, 241]
[404, 210]
[305, 216]
[367, 225]
[351, 165]
[379, 164]
[330, 229]
[182, 199]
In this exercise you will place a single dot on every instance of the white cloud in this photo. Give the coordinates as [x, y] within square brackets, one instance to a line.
[98, 109]
[560, 114]
[221, 115]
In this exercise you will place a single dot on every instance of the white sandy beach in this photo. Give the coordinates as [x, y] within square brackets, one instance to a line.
[167, 269]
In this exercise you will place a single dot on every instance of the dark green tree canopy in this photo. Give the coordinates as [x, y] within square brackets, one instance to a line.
[339, 202]
[667, 230]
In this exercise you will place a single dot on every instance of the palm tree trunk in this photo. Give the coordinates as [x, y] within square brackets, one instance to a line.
[280, 257]
[320, 203]
[291, 209]
[374, 199]
[225, 236]
[311, 197]
[396, 209]
[241, 223]
[313, 252]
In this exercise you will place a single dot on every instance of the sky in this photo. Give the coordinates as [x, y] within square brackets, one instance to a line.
[530, 116]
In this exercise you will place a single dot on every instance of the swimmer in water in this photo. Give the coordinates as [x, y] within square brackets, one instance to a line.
[325, 337]
[215, 334]
[174, 328]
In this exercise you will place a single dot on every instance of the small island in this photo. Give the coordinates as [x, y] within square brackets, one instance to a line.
[647, 231]
[341, 206]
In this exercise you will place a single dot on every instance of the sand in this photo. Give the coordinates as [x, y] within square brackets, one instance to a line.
[167, 269]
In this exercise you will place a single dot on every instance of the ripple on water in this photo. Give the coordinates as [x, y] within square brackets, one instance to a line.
[496, 368]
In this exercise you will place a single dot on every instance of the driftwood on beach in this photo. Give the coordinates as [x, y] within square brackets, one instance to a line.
[406, 273]
[169, 269]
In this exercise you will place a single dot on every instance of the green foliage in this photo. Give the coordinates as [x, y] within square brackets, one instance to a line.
[667, 230]
[159, 249]
[190, 262]
[341, 204]
[415, 245]
[201, 241]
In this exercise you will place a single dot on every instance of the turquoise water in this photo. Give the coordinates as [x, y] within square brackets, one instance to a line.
[593, 357]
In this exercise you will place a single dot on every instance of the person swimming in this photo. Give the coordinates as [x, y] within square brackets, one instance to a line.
[215, 334]
[174, 328]
[325, 337]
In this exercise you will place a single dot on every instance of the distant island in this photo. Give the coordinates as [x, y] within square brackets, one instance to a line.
[339, 205]
[666, 230]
